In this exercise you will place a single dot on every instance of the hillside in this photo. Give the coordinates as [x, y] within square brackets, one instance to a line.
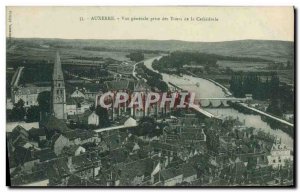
[273, 50]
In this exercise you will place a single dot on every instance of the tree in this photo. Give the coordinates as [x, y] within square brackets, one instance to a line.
[103, 116]
[275, 108]
[147, 127]
[44, 100]
[33, 114]
[137, 56]
[18, 112]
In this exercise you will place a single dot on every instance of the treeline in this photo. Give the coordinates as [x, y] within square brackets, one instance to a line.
[122, 49]
[36, 73]
[250, 83]
[153, 79]
[136, 56]
[178, 58]
[281, 96]
[88, 58]
[96, 49]
[147, 126]
[32, 113]
[16, 62]
[88, 71]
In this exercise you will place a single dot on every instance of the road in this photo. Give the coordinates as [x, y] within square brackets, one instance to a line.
[268, 115]
[134, 66]
[16, 77]
[113, 128]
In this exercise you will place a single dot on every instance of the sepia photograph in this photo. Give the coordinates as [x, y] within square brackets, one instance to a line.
[158, 96]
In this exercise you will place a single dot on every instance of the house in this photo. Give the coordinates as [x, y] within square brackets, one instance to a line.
[18, 132]
[128, 122]
[189, 173]
[77, 93]
[73, 137]
[82, 165]
[279, 154]
[79, 136]
[190, 66]
[137, 172]
[37, 135]
[11, 125]
[88, 118]
[73, 150]
[39, 183]
[248, 96]
[44, 155]
[132, 147]
[93, 119]
[24, 155]
[108, 177]
[28, 94]
[191, 135]
[114, 141]
[18, 137]
[171, 176]
[58, 171]
[58, 143]
[53, 125]
[77, 105]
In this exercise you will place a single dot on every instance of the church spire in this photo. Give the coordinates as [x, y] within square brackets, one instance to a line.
[58, 90]
[57, 70]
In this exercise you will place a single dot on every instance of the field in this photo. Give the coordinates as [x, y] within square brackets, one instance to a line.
[286, 76]
[242, 65]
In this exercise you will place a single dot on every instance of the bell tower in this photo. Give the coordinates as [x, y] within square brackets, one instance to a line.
[58, 90]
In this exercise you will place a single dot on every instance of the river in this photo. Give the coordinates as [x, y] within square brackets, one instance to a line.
[205, 89]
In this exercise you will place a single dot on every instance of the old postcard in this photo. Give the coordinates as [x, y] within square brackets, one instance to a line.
[150, 96]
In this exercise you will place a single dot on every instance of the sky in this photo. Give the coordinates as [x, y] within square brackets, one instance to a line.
[230, 23]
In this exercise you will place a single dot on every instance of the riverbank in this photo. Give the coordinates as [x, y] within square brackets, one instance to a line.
[225, 89]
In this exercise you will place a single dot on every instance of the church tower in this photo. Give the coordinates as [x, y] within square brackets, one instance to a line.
[58, 90]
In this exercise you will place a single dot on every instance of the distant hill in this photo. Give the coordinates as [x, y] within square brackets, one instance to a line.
[267, 49]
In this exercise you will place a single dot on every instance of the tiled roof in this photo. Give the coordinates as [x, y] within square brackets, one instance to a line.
[137, 168]
[58, 169]
[34, 133]
[70, 150]
[52, 123]
[17, 131]
[74, 100]
[45, 154]
[79, 133]
[81, 161]
[31, 90]
[119, 85]
[170, 173]
[118, 155]
[164, 146]
[188, 170]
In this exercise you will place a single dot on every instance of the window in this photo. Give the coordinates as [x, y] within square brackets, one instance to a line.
[274, 161]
